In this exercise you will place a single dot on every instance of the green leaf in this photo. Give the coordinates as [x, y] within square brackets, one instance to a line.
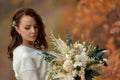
[89, 74]
[77, 78]
[48, 57]
[78, 68]
[92, 63]
[99, 54]
[69, 39]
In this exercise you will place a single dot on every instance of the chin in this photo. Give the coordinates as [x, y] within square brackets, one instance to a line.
[32, 40]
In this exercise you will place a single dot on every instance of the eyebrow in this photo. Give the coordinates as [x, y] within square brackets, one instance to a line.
[29, 24]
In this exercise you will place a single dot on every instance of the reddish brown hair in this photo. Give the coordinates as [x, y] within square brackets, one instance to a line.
[16, 39]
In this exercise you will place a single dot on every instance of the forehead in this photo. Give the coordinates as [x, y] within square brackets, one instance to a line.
[27, 20]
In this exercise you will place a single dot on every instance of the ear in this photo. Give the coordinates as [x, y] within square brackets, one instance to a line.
[17, 29]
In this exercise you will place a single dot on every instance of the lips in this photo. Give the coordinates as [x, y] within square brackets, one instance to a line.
[34, 36]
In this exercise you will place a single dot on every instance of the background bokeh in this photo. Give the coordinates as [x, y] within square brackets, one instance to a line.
[88, 20]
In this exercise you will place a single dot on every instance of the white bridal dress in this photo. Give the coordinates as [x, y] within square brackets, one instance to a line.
[29, 64]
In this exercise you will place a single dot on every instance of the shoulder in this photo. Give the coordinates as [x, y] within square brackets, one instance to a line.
[21, 48]
[22, 52]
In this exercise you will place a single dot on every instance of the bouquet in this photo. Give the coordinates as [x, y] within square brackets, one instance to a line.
[74, 60]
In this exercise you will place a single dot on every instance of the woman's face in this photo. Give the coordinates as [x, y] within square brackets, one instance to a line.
[28, 29]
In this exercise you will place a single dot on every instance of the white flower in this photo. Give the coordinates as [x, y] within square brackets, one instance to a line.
[84, 42]
[99, 65]
[105, 60]
[77, 64]
[77, 58]
[84, 58]
[100, 62]
[71, 51]
[74, 73]
[68, 65]
[68, 56]
[83, 53]
[78, 46]
[84, 49]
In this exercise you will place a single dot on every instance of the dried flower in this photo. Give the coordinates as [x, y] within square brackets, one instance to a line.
[68, 65]
[74, 59]
[77, 58]
[77, 64]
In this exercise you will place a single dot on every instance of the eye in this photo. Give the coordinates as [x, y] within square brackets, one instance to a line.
[27, 27]
[35, 26]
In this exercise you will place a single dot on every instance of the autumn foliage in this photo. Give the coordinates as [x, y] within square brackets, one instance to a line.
[99, 20]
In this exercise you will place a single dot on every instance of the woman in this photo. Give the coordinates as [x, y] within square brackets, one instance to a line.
[27, 44]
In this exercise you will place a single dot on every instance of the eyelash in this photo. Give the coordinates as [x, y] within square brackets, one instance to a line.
[29, 27]
[35, 26]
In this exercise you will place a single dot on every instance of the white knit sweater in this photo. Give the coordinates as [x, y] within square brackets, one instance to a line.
[29, 64]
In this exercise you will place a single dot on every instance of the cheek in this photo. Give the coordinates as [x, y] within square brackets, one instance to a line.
[36, 31]
[24, 33]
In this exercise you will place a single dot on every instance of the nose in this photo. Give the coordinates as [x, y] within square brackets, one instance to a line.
[33, 30]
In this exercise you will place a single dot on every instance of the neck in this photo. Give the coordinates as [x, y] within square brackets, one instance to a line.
[28, 44]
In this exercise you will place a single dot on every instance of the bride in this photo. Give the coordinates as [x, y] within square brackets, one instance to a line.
[27, 45]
